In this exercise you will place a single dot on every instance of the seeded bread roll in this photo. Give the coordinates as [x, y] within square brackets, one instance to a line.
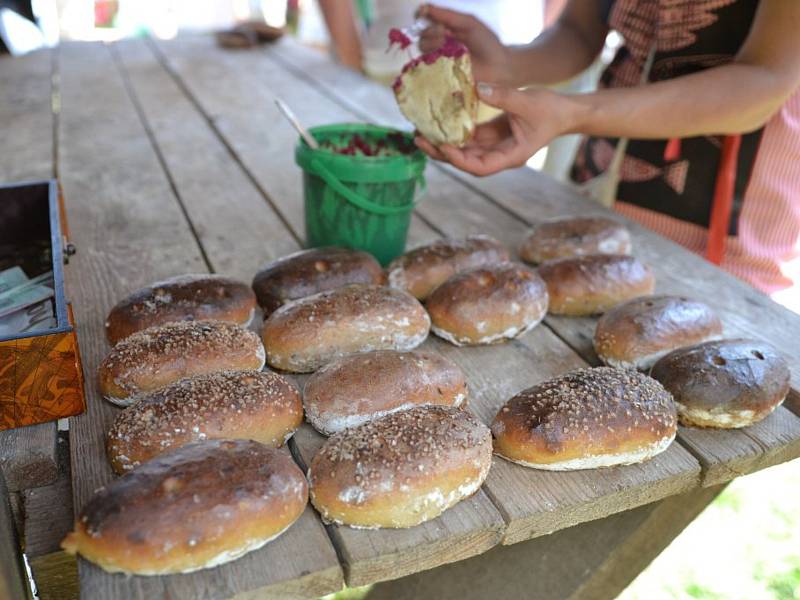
[589, 285]
[181, 298]
[423, 269]
[566, 237]
[637, 333]
[248, 405]
[585, 419]
[308, 333]
[312, 271]
[193, 508]
[725, 383]
[160, 355]
[364, 387]
[402, 469]
[488, 305]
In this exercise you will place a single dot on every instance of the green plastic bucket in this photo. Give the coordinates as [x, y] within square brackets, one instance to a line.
[357, 201]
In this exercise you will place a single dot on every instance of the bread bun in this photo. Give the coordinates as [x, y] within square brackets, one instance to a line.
[585, 419]
[249, 405]
[488, 305]
[423, 269]
[725, 383]
[160, 355]
[181, 298]
[305, 334]
[566, 237]
[588, 285]
[402, 469]
[637, 333]
[312, 271]
[196, 507]
[436, 92]
[362, 387]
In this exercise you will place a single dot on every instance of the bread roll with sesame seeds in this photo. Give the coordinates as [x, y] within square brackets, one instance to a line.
[565, 237]
[488, 305]
[362, 387]
[586, 419]
[192, 508]
[249, 405]
[590, 285]
[309, 272]
[402, 469]
[163, 354]
[304, 335]
[182, 298]
[423, 269]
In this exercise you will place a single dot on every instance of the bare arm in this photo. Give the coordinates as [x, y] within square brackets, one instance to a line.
[340, 17]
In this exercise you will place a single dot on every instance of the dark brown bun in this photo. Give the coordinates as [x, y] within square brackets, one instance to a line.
[423, 269]
[637, 333]
[248, 405]
[488, 305]
[309, 272]
[586, 419]
[160, 355]
[566, 237]
[589, 285]
[196, 507]
[402, 469]
[308, 333]
[363, 387]
[181, 298]
[726, 383]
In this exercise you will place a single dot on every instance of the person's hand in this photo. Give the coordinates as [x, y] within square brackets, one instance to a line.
[489, 57]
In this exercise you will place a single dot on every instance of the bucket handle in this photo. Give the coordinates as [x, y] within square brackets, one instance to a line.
[359, 200]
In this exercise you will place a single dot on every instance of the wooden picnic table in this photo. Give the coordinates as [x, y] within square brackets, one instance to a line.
[173, 159]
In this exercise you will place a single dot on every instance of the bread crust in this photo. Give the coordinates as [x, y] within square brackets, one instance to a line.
[566, 237]
[195, 507]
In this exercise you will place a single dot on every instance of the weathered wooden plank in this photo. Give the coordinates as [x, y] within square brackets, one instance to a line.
[28, 456]
[13, 579]
[56, 576]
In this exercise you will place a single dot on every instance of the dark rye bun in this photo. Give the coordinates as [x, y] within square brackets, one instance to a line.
[402, 469]
[725, 383]
[637, 333]
[586, 419]
[249, 405]
[160, 355]
[181, 298]
[488, 305]
[309, 272]
[566, 237]
[589, 285]
[422, 270]
[196, 507]
[308, 333]
[363, 387]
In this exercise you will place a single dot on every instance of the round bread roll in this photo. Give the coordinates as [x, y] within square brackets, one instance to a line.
[192, 508]
[488, 305]
[402, 469]
[637, 333]
[566, 237]
[312, 271]
[248, 405]
[586, 419]
[182, 298]
[363, 387]
[725, 383]
[308, 333]
[160, 355]
[423, 269]
[589, 285]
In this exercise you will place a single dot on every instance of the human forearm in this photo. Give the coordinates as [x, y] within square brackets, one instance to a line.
[340, 18]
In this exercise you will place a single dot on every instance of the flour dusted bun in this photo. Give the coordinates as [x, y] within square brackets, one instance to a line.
[725, 383]
[196, 507]
[250, 405]
[363, 387]
[585, 419]
[436, 92]
[566, 237]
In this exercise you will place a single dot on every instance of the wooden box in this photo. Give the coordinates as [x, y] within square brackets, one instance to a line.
[40, 371]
